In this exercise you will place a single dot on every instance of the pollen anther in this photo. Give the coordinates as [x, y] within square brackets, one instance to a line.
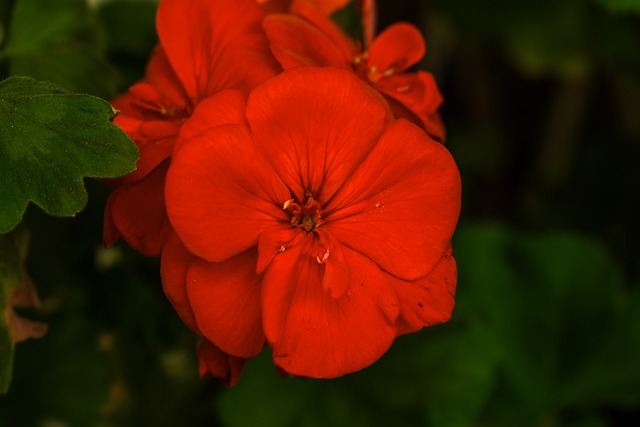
[324, 257]
[287, 204]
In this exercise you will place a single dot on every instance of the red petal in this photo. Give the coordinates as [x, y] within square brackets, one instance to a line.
[152, 153]
[174, 265]
[129, 121]
[137, 212]
[221, 193]
[160, 74]
[296, 42]
[274, 6]
[309, 124]
[311, 333]
[418, 93]
[225, 107]
[401, 205]
[316, 13]
[337, 275]
[225, 298]
[398, 47]
[427, 301]
[196, 34]
[273, 242]
[215, 362]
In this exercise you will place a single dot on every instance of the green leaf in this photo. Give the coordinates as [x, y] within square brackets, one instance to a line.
[555, 306]
[61, 42]
[50, 141]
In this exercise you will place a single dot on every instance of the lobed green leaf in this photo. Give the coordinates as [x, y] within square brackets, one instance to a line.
[49, 141]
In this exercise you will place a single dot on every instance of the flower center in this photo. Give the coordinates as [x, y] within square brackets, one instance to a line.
[149, 100]
[369, 72]
[307, 216]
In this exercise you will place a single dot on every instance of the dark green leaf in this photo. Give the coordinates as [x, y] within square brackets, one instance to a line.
[555, 305]
[49, 141]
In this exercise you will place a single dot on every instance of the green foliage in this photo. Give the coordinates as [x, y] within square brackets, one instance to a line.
[51, 140]
[60, 41]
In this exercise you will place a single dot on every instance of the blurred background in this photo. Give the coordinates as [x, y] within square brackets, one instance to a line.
[542, 108]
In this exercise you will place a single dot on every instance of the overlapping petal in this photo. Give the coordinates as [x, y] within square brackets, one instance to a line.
[225, 107]
[314, 135]
[198, 36]
[315, 335]
[400, 207]
[308, 37]
[415, 97]
[160, 74]
[174, 265]
[225, 298]
[397, 48]
[222, 193]
[136, 212]
[296, 42]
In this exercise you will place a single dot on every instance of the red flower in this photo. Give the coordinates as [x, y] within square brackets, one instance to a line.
[320, 226]
[205, 47]
[311, 38]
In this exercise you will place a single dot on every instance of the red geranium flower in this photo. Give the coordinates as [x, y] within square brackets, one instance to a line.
[309, 37]
[321, 226]
[205, 47]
